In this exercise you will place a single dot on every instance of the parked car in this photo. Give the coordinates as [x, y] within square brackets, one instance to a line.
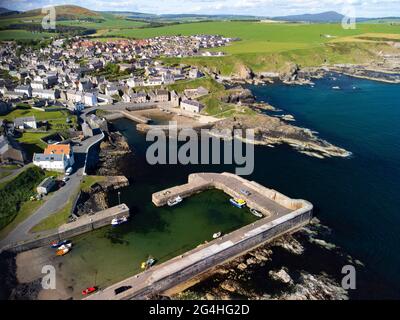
[122, 289]
[65, 179]
[68, 171]
[245, 192]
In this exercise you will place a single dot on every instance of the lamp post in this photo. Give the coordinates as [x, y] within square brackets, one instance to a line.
[119, 197]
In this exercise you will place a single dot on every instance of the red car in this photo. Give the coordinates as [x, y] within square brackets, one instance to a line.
[89, 290]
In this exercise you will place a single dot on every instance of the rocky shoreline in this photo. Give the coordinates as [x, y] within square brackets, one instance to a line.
[271, 131]
[262, 275]
[112, 149]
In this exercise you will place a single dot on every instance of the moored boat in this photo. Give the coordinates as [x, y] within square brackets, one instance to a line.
[238, 203]
[56, 244]
[217, 235]
[65, 246]
[256, 213]
[149, 262]
[62, 252]
[174, 201]
[118, 221]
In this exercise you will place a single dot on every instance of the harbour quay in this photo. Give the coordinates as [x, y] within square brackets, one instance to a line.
[80, 226]
[281, 215]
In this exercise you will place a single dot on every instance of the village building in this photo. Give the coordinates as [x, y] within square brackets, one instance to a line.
[46, 94]
[46, 186]
[96, 122]
[4, 107]
[55, 158]
[174, 98]
[192, 106]
[11, 151]
[26, 90]
[162, 95]
[25, 123]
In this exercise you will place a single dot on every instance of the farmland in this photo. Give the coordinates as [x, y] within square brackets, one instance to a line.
[270, 46]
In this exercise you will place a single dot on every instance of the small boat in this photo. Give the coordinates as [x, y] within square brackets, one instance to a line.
[336, 88]
[256, 213]
[149, 262]
[89, 290]
[62, 252]
[238, 203]
[118, 221]
[56, 244]
[65, 246]
[174, 201]
[217, 235]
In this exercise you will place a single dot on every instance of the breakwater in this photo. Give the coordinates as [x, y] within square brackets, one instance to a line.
[281, 215]
[82, 225]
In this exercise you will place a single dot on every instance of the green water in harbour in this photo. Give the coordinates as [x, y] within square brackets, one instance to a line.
[112, 254]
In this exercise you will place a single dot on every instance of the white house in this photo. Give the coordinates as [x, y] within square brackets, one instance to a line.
[51, 162]
[27, 90]
[55, 158]
[25, 123]
[90, 99]
[46, 94]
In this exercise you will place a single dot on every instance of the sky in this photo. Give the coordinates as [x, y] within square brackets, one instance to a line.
[268, 8]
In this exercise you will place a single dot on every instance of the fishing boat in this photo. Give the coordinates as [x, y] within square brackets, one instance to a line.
[174, 201]
[217, 235]
[89, 291]
[149, 262]
[238, 203]
[118, 221]
[256, 213]
[62, 252]
[56, 244]
[65, 246]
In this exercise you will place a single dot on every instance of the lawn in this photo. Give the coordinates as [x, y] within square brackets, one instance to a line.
[32, 140]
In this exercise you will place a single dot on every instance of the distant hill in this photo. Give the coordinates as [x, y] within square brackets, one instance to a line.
[64, 12]
[329, 16]
[181, 17]
[7, 12]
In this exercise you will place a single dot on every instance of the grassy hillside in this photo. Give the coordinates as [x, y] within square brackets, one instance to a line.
[71, 17]
[64, 12]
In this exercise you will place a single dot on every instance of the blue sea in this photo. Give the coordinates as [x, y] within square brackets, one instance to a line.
[358, 197]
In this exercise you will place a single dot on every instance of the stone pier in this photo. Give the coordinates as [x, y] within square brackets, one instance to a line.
[82, 225]
[281, 215]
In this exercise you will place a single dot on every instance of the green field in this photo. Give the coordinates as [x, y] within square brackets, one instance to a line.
[107, 23]
[259, 36]
[22, 35]
[268, 46]
[110, 22]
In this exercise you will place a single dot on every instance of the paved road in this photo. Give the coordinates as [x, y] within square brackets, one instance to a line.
[55, 201]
